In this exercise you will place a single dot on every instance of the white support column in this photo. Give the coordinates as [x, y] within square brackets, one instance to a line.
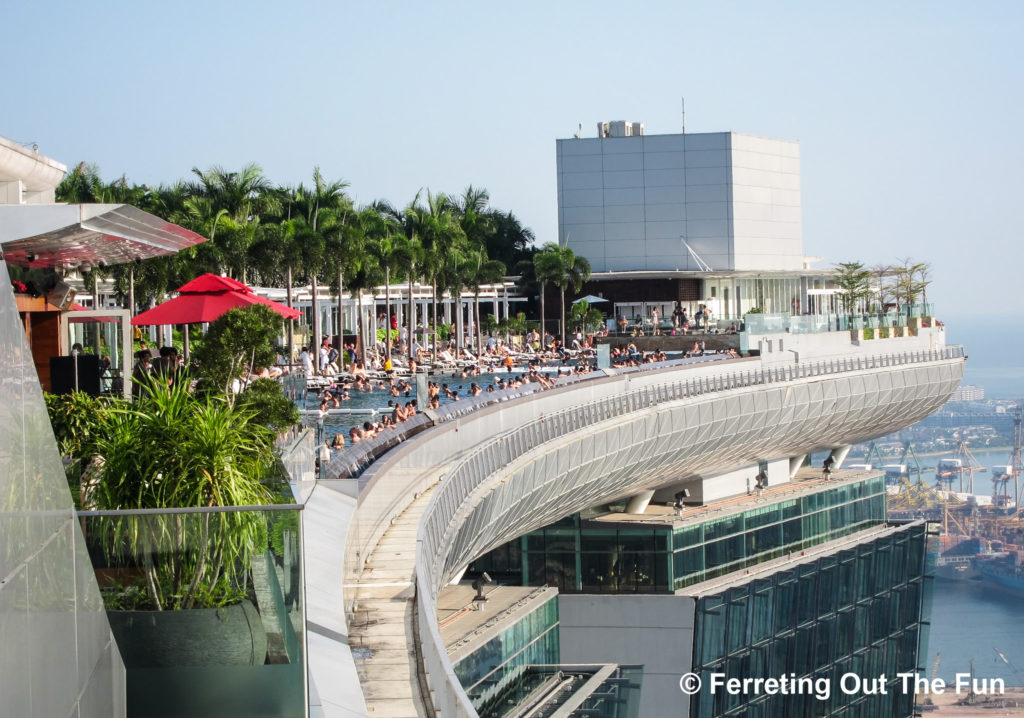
[839, 455]
[638, 503]
[458, 326]
[795, 462]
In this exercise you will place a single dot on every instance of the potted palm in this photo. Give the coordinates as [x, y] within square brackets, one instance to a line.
[177, 584]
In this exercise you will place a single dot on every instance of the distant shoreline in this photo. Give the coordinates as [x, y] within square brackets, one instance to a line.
[933, 454]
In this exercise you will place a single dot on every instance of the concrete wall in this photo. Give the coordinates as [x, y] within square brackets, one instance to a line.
[626, 203]
[653, 631]
[713, 487]
[780, 348]
[765, 207]
[57, 656]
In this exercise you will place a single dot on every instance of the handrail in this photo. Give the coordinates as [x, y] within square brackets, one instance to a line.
[476, 467]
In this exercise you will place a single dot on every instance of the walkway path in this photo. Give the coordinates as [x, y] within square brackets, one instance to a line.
[385, 618]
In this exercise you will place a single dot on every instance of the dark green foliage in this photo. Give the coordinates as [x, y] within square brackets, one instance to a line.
[173, 449]
[853, 278]
[75, 418]
[242, 339]
[268, 404]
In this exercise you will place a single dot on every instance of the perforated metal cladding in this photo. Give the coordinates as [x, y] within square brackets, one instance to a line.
[662, 441]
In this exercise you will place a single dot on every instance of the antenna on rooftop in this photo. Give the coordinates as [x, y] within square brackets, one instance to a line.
[683, 103]
[578, 131]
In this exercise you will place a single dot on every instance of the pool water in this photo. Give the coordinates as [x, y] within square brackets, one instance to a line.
[372, 405]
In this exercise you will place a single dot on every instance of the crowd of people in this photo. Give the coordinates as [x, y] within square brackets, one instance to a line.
[509, 366]
[333, 396]
[631, 356]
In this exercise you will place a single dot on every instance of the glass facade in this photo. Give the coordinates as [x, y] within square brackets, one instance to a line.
[206, 608]
[856, 611]
[490, 674]
[720, 546]
[581, 556]
[549, 687]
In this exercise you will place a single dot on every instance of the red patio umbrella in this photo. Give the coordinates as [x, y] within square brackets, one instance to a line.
[206, 298]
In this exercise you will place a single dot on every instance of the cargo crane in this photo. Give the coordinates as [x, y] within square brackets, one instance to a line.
[1015, 464]
[963, 463]
[1001, 478]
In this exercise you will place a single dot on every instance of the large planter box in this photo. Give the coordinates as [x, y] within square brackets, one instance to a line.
[228, 636]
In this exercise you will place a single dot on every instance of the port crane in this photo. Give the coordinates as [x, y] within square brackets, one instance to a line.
[1016, 465]
[962, 464]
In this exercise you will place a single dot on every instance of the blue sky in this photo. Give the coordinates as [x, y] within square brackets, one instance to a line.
[909, 114]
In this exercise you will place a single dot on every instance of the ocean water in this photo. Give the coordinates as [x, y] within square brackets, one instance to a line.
[972, 620]
[995, 353]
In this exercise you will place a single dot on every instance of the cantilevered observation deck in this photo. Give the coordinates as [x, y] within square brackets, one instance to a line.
[507, 469]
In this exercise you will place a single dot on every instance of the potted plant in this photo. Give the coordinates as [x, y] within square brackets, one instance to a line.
[172, 449]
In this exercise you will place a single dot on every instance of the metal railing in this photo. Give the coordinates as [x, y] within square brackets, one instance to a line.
[354, 459]
[476, 467]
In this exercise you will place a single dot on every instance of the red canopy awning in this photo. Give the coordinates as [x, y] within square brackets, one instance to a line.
[205, 299]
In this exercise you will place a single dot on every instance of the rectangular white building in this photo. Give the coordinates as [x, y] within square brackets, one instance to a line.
[643, 202]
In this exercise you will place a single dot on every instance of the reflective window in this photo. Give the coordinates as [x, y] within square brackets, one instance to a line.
[805, 621]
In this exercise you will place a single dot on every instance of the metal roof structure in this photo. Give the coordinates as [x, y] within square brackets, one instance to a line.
[65, 236]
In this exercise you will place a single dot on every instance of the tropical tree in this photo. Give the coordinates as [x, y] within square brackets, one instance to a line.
[586, 316]
[344, 250]
[854, 279]
[508, 240]
[227, 207]
[81, 185]
[239, 341]
[243, 195]
[381, 228]
[436, 224]
[909, 281]
[547, 267]
[481, 271]
[322, 209]
[408, 254]
[575, 272]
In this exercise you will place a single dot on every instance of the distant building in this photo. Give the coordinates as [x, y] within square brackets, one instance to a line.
[710, 218]
[968, 393]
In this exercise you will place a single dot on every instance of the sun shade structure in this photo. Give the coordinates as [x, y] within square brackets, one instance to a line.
[590, 299]
[67, 235]
[86, 319]
[206, 298]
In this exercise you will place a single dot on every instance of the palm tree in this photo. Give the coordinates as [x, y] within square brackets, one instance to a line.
[408, 254]
[471, 209]
[81, 185]
[344, 251]
[244, 195]
[575, 272]
[381, 228]
[547, 265]
[435, 224]
[508, 240]
[322, 208]
[482, 271]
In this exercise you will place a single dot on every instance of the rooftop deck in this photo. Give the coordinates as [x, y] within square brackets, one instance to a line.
[808, 480]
